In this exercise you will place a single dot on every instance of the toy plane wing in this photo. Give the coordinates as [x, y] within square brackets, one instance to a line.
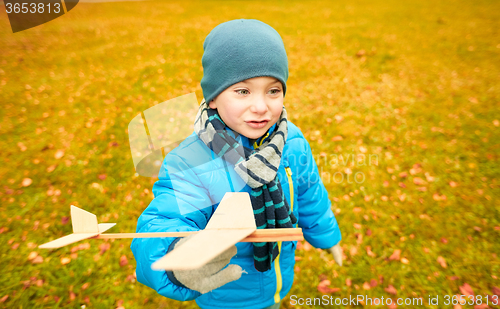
[231, 222]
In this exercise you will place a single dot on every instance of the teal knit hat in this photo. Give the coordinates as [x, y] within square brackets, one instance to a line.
[238, 50]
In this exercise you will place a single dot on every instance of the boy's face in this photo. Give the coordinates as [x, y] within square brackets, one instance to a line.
[252, 106]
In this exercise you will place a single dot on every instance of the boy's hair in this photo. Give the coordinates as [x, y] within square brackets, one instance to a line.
[238, 50]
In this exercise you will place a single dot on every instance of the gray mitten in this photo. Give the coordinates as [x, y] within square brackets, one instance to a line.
[209, 276]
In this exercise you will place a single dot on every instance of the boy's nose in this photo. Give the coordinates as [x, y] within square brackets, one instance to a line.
[259, 106]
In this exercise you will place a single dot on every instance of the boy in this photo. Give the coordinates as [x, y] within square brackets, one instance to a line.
[242, 143]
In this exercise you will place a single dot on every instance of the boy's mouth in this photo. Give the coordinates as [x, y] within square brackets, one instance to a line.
[257, 124]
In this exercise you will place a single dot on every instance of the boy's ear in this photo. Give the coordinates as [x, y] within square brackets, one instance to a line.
[212, 104]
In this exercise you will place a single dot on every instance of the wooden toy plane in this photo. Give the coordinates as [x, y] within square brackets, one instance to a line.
[233, 221]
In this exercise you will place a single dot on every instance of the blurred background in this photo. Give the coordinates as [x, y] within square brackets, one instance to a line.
[399, 101]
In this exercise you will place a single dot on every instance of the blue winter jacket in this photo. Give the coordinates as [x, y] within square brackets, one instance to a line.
[192, 182]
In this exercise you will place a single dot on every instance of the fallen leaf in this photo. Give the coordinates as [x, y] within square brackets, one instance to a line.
[337, 138]
[26, 182]
[123, 260]
[85, 286]
[429, 177]
[444, 240]
[405, 261]
[373, 283]
[21, 146]
[65, 260]
[64, 220]
[72, 295]
[393, 305]
[361, 53]
[59, 154]
[369, 251]
[391, 289]
[104, 247]
[362, 149]
[496, 290]
[466, 290]
[323, 287]
[419, 181]
[130, 278]
[348, 282]
[359, 238]
[102, 176]
[79, 247]
[37, 260]
[32, 255]
[395, 255]
[442, 261]
[4, 298]
[453, 278]
[366, 286]
[457, 306]
[357, 226]
[353, 251]
[51, 168]
[453, 184]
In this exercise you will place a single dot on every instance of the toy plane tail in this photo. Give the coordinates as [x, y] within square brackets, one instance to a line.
[84, 226]
[83, 221]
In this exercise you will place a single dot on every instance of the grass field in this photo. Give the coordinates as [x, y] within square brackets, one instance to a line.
[401, 99]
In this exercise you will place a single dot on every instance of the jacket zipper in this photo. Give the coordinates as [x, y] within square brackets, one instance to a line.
[279, 279]
[255, 145]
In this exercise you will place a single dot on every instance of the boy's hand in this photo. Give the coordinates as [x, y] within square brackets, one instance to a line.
[337, 254]
[210, 276]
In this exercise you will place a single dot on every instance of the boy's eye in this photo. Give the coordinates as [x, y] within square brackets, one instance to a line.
[275, 91]
[242, 91]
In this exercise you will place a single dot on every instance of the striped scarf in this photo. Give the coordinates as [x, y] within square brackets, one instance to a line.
[259, 168]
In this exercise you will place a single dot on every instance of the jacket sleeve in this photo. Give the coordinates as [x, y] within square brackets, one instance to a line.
[316, 218]
[180, 203]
